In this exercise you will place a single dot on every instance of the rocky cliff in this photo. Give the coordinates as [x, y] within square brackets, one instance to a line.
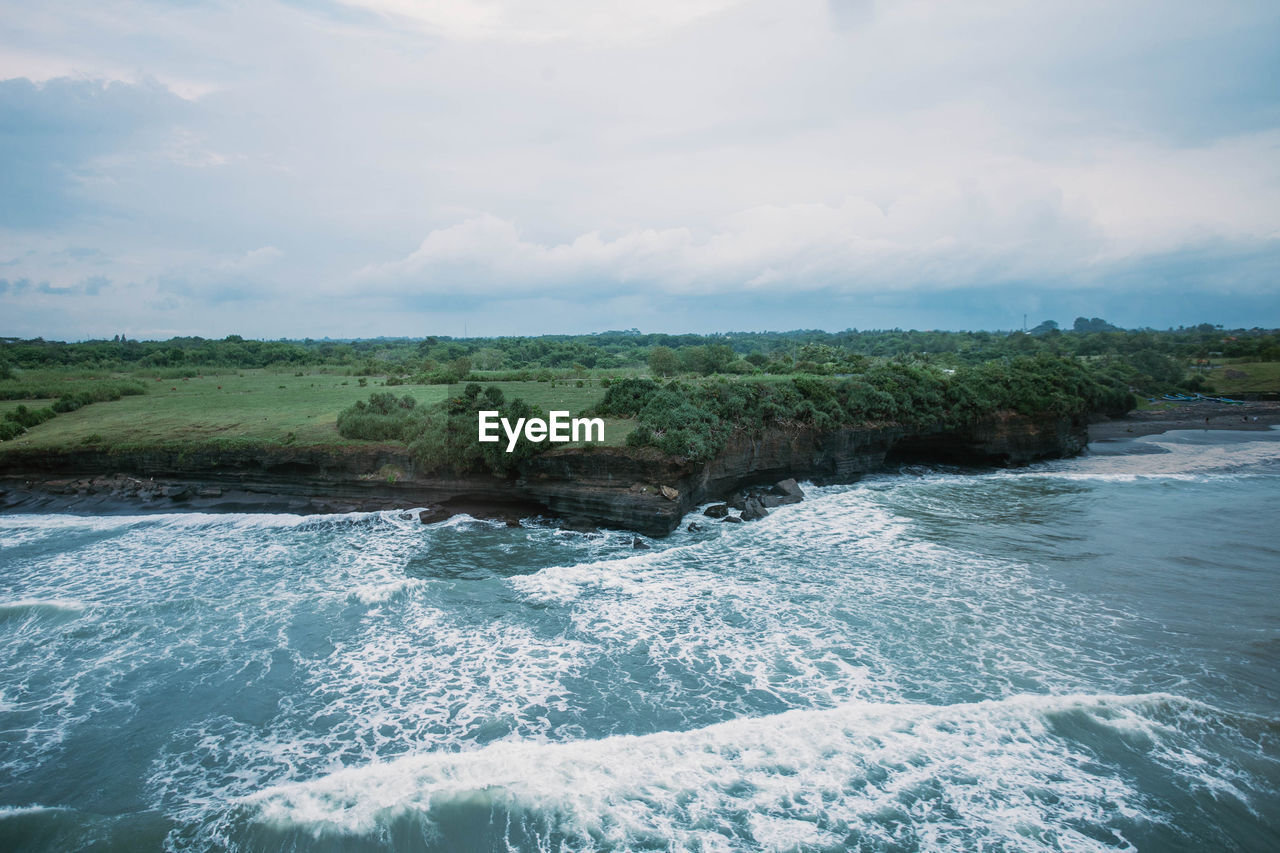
[632, 488]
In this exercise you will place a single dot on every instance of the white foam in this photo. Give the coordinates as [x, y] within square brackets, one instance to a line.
[1173, 459]
[970, 771]
[21, 811]
[380, 593]
[59, 605]
[463, 520]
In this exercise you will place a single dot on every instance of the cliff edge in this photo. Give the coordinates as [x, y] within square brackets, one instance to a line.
[635, 489]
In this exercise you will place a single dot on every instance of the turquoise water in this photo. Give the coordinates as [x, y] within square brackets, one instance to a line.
[1080, 655]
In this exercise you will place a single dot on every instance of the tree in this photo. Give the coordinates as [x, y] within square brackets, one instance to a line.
[707, 359]
[663, 361]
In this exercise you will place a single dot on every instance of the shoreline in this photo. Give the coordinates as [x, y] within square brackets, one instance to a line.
[614, 496]
[1259, 416]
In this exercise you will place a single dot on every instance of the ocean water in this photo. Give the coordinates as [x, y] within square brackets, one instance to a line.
[1080, 655]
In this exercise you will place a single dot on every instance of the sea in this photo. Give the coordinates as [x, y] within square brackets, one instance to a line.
[1079, 655]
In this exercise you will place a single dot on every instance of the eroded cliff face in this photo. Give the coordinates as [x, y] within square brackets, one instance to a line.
[621, 487]
[632, 488]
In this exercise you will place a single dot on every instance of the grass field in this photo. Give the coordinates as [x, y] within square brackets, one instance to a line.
[250, 407]
[10, 405]
[1258, 376]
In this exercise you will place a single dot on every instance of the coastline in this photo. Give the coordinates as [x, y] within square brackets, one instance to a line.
[621, 489]
[1193, 416]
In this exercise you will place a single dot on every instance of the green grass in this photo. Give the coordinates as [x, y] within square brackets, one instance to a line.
[246, 408]
[54, 382]
[1259, 376]
[10, 405]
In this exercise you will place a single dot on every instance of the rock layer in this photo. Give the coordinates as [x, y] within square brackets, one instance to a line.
[636, 489]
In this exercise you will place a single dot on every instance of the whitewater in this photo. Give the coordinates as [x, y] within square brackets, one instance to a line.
[1079, 655]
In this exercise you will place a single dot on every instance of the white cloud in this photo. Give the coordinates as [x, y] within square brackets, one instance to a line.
[944, 237]
[387, 147]
[609, 20]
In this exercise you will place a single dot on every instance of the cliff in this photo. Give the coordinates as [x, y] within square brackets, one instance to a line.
[612, 487]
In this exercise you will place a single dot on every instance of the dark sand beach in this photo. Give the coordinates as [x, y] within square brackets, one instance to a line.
[1200, 415]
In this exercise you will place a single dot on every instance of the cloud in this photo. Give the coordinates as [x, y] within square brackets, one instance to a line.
[379, 165]
[50, 132]
[568, 19]
[946, 236]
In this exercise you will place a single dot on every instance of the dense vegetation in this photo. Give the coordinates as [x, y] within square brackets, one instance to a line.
[695, 420]
[442, 359]
[683, 394]
[442, 437]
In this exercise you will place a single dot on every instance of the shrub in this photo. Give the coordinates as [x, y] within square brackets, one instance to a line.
[444, 438]
[27, 418]
[695, 421]
[383, 418]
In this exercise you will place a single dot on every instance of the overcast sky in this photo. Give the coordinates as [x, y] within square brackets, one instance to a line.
[392, 167]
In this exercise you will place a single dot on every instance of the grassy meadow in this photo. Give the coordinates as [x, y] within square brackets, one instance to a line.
[245, 407]
[1258, 376]
[290, 407]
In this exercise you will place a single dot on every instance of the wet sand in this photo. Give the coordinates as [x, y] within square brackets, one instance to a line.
[1248, 416]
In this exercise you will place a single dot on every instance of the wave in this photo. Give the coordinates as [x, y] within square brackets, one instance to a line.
[1170, 458]
[1021, 772]
[39, 607]
[237, 520]
[33, 809]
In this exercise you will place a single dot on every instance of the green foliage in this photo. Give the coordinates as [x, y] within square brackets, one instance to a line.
[436, 360]
[695, 420]
[98, 394]
[22, 419]
[707, 359]
[383, 418]
[445, 438]
[663, 361]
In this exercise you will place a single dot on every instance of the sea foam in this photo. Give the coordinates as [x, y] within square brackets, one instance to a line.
[993, 774]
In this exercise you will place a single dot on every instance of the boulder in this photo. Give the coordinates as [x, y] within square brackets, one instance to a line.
[639, 544]
[716, 511]
[789, 489]
[754, 510]
[670, 493]
[694, 527]
[432, 514]
[732, 519]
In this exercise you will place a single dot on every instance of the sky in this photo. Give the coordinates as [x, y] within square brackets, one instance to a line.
[356, 168]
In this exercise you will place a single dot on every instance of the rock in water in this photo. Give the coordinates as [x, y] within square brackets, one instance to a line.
[432, 514]
[754, 510]
[732, 519]
[639, 544]
[789, 489]
[694, 527]
[716, 511]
